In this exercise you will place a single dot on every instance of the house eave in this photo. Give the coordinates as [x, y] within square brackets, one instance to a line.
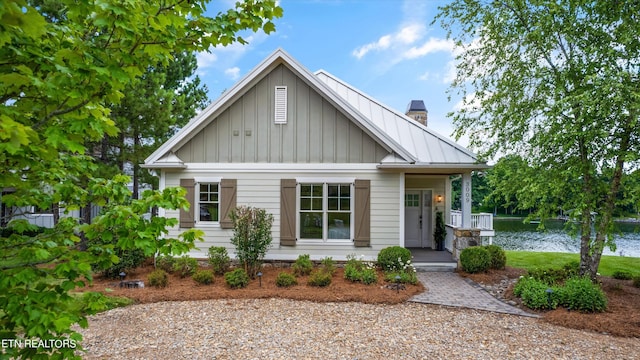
[163, 166]
[441, 168]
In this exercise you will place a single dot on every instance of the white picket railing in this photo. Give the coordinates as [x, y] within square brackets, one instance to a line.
[483, 221]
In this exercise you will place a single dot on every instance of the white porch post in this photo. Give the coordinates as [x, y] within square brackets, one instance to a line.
[466, 200]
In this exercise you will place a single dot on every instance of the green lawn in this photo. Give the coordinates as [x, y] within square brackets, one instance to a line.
[608, 264]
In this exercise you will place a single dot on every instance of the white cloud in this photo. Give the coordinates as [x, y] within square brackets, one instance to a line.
[206, 59]
[233, 73]
[381, 44]
[410, 33]
[426, 76]
[406, 35]
[430, 46]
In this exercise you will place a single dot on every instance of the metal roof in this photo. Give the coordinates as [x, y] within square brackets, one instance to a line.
[428, 147]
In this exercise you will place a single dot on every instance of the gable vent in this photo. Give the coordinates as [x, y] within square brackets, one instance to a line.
[281, 105]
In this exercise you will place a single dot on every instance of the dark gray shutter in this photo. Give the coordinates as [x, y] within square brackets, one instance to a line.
[228, 191]
[362, 213]
[288, 212]
[187, 216]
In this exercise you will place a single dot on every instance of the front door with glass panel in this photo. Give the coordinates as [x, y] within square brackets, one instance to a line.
[417, 218]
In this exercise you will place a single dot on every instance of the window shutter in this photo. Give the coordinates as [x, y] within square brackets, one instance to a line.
[281, 105]
[288, 212]
[228, 191]
[187, 216]
[362, 213]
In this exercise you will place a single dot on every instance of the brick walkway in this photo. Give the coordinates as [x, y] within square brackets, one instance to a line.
[448, 288]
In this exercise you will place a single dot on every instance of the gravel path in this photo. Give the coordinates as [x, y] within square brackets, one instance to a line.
[287, 329]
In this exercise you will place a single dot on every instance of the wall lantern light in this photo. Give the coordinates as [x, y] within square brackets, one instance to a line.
[438, 198]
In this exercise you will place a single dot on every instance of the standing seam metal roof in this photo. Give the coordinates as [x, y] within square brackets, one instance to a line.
[425, 144]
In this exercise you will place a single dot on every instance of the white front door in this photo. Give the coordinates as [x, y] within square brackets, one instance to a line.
[418, 218]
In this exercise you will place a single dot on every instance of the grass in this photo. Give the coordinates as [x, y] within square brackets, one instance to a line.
[608, 264]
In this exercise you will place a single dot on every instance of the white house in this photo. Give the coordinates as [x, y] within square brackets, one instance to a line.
[341, 172]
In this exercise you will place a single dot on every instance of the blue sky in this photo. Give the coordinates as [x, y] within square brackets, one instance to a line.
[386, 48]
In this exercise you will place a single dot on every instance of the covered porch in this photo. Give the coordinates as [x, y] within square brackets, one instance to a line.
[428, 197]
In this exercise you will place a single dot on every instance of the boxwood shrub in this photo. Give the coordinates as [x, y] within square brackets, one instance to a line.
[498, 257]
[475, 259]
[393, 258]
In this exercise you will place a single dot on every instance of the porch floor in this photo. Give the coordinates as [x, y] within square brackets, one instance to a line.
[432, 260]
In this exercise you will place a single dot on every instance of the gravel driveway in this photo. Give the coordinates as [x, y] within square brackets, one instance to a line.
[287, 329]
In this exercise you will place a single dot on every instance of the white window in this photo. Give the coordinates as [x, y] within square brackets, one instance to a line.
[281, 105]
[208, 195]
[325, 211]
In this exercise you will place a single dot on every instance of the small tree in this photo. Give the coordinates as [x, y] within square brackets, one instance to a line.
[251, 236]
[440, 233]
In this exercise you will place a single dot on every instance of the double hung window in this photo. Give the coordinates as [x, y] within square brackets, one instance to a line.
[325, 211]
[208, 202]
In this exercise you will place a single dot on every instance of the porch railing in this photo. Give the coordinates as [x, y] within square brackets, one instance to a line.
[482, 221]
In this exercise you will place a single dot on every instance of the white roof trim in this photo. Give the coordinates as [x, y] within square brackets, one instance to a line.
[277, 57]
[171, 160]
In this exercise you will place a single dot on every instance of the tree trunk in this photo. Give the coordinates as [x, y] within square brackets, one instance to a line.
[136, 166]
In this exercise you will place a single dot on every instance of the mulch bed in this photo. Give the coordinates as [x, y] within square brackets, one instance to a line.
[184, 289]
[622, 317]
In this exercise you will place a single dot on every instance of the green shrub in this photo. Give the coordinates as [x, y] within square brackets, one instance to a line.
[622, 275]
[405, 277]
[237, 278]
[165, 263]
[285, 279]
[583, 295]
[302, 266]
[185, 266]
[369, 276]
[550, 276]
[128, 259]
[572, 269]
[320, 279]
[636, 281]
[498, 257]
[390, 258]
[534, 294]
[351, 273]
[475, 259]
[328, 265]
[357, 270]
[158, 278]
[251, 236]
[204, 277]
[219, 259]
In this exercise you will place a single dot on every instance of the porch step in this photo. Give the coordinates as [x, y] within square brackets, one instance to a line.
[435, 266]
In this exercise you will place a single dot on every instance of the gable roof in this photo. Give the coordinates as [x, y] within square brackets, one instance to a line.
[408, 143]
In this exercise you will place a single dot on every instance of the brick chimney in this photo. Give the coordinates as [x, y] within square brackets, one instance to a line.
[417, 111]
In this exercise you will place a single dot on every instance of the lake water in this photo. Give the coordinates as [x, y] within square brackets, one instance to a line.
[512, 234]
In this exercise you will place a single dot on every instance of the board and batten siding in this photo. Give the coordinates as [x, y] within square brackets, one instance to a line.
[262, 189]
[315, 132]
